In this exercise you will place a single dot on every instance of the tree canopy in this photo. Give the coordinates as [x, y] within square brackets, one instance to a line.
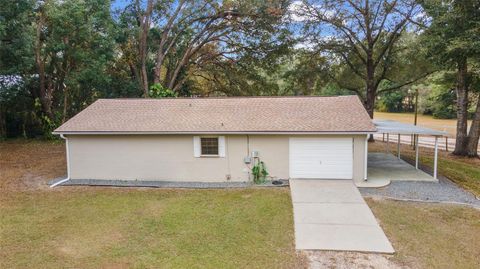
[452, 39]
[57, 57]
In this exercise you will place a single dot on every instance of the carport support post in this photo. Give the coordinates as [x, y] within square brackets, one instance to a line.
[435, 160]
[416, 151]
[398, 146]
[388, 142]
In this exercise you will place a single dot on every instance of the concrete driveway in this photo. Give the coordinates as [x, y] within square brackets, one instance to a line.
[387, 166]
[332, 215]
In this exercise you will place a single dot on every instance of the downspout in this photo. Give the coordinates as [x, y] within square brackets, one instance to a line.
[365, 171]
[68, 165]
[248, 154]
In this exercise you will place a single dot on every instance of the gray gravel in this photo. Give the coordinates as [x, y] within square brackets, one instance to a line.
[163, 184]
[444, 191]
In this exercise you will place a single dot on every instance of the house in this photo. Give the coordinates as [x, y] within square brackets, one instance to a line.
[215, 139]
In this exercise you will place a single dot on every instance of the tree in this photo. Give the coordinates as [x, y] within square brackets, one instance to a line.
[306, 74]
[453, 42]
[16, 58]
[364, 39]
[66, 54]
[72, 46]
[185, 34]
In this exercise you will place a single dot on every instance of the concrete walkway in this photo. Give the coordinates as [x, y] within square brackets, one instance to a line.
[332, 215]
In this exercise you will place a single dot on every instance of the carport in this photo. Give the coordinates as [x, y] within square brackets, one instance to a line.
[384, 167]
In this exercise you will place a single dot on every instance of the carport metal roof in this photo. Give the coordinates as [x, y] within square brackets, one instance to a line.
[395, 127]
[398, 128]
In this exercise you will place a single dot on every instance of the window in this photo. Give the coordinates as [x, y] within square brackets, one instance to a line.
[209, 145]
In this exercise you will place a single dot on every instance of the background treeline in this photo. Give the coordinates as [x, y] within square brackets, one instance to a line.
[59, 56]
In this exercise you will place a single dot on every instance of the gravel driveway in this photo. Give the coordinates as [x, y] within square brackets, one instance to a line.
[444, 191]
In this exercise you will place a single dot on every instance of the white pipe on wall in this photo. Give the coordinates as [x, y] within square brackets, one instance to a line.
[68, 164]
[365, 172]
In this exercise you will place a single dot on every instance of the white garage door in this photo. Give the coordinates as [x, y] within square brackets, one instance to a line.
[328, 158]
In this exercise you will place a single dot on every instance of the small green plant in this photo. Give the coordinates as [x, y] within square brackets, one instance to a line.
[259, 172]
[48, 125]
[158, 91]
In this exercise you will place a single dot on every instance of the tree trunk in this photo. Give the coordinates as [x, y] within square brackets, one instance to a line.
[144, 79]
[173, 80]
[143, 46]
[158, 67]
[370, 101]
[474, 133]
[370, 84]
[135, 74]
[162, 52]
[369, 106]
[65, 104]
[371, 90]
[3, 122]
[462, 106]
[45, 95]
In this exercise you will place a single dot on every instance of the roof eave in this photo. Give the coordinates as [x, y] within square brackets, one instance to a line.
[208, 132]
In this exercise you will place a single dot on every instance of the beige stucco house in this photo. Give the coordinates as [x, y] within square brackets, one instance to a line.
[216, 139]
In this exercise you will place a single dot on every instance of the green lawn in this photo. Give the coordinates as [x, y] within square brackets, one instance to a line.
[139, 228]
[248, 228]
[431, 235]
[93, 227]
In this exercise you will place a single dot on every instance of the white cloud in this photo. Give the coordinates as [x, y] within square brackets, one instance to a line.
[307, 45]
[298, 11]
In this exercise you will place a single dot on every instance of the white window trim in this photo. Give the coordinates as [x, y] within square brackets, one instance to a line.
[197, 147]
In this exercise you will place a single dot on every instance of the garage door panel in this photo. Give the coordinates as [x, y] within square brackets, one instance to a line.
[321, 158]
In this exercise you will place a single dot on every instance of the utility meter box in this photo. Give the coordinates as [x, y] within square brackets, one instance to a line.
[247, 160]
[254, 154]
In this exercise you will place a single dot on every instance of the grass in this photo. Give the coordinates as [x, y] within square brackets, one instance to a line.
[431, 235]
[463, 171]
[86, 227]
[111, 228]
[93, 227]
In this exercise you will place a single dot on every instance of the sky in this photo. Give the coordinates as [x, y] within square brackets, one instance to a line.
[116, 4]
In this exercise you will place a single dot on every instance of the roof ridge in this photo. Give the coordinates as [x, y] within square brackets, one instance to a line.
[230, 97]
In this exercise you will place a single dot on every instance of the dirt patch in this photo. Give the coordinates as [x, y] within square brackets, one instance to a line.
[348, 260]
[89, 243]
[29, 164]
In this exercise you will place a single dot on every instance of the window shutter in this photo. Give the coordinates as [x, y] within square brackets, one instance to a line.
[221, 146]
[196, 146]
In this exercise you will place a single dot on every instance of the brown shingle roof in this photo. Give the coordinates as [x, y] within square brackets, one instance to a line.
[229, 115]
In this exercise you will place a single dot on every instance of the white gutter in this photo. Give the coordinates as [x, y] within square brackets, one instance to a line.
[215, 132]
[68, 165]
